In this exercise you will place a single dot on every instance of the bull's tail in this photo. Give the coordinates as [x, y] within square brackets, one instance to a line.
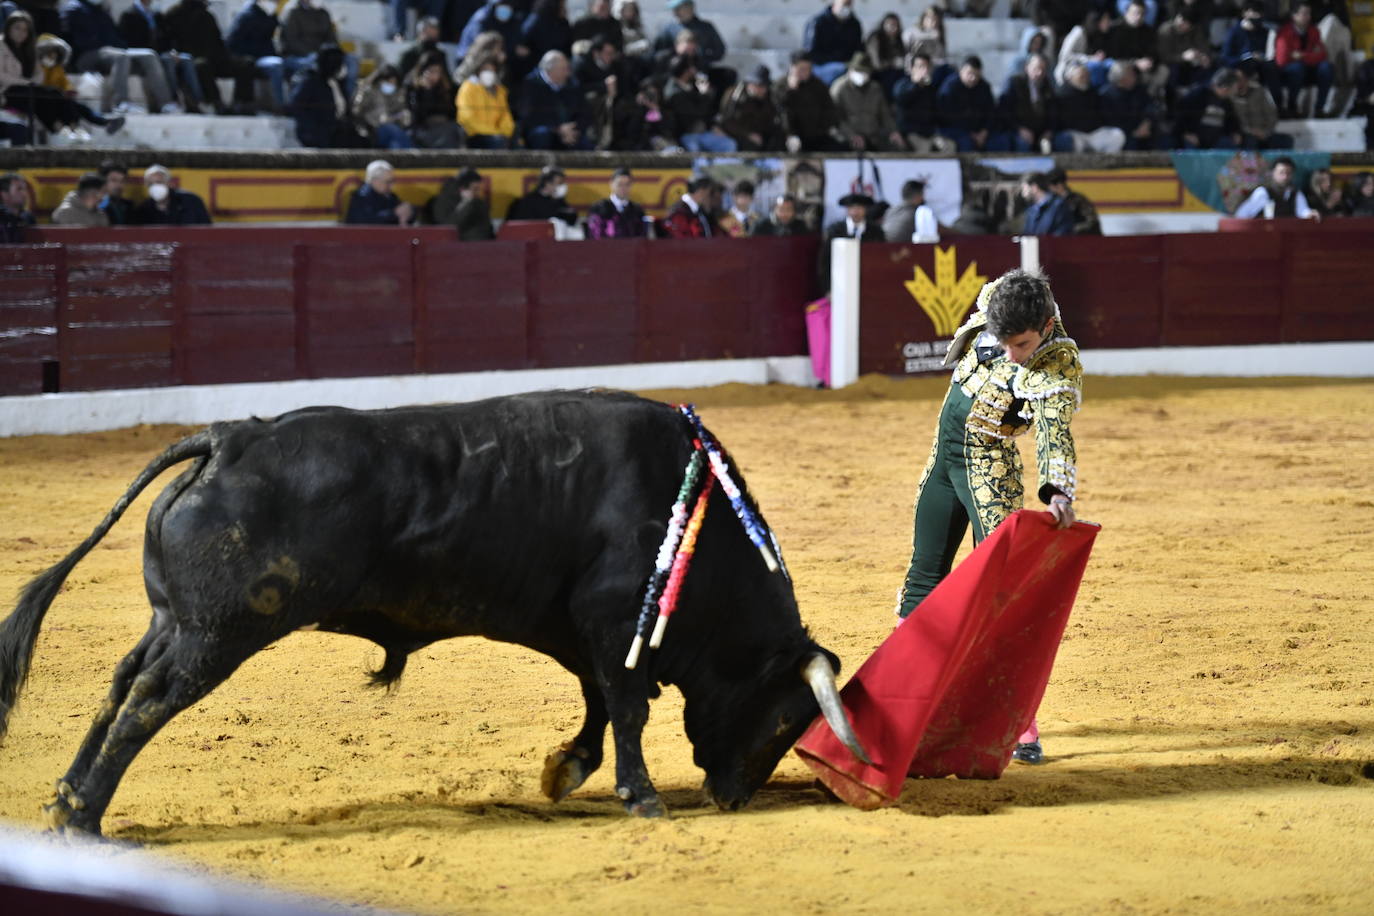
[19, 631]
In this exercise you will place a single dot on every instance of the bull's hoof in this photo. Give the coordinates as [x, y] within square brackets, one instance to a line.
[65, 817]
[564, 770]
[648, 807]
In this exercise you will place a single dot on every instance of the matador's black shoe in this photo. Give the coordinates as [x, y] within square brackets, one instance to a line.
[1029, 752]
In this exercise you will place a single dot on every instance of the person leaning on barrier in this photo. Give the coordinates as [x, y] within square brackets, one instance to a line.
[167, 205]
[617, 217]
[1279, 197]
[912, 220]
[15, 216]
[459, 203]
[81, 207]
[1081, 210]
[118, 209]
[548, 200]
[1047, 213]
[375, 203]
[783, 221]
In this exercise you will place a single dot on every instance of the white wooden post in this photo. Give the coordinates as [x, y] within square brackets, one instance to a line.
[844, 312]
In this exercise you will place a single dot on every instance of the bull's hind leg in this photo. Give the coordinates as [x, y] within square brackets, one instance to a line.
[569, 766]
[159, 685]
[627, 702]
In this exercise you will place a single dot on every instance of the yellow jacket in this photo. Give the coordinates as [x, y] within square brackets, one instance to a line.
[483, 111]
[54, 77]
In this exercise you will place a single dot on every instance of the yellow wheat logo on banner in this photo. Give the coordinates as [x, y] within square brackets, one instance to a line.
[946, 299]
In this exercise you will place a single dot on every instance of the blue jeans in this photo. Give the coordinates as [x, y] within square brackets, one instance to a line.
[708, 142]
[1297, 74]
[181, 76]
[393, 136]
[547, 138]
[488, 141]
[996, 142]
[828, 73]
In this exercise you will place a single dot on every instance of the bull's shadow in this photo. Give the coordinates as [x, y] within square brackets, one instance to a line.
[1049, 786]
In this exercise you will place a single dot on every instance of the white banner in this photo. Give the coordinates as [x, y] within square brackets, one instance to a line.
[882, 179]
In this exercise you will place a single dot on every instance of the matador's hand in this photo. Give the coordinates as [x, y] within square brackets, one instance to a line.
[1062, 510]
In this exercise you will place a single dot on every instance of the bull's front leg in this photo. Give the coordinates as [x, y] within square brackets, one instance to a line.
[627, 703]
[569, 766]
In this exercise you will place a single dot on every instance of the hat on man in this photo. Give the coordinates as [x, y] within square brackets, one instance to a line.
[759, 75]
[855, 200]
[861, 62]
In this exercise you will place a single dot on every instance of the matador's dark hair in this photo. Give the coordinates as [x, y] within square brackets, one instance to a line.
[1021, 302]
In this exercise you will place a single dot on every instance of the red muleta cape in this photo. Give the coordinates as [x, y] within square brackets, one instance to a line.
[952, 688]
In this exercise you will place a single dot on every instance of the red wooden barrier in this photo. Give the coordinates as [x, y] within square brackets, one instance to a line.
[31, 281]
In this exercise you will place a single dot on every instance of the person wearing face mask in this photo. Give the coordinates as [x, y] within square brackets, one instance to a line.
[484, 109]
[432, 101]
[166, 205]
[1015, 367]
[832, 38]
[865, 117]
[504, 18]
[546, 201]
[380, 107]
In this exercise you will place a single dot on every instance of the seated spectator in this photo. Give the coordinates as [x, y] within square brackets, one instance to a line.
[320, 107]
[1206, 117]
[712, 48]
[740, 220]
[809, 117]
[97, 47]
[375, 203]
[552, 115]
[1128, 107]
[546, 201]
[190, 28]
[251, 35]
[1258, 116]
[691, 114]
[489, 47]
[1047, 213]
[1133, 39]
[1079, 123]
[1028, 105]
[750, 116]
[1086, 44]
[597, 21]
[1150, 8]
[914, 109]
[167, 205]
[306, 26]
[912, 220]
[690, 217]
[783, 221]
[484, 109]
[1081, 210]
[1247, 44]
[82, 206]
[1033, 41]
[639, 123]
[15, 215]
[887, 51]
[1302, 61]
[1364, 100]
[927, 37]
[459, 203]
[636, 39]
[1279, 198]
[600, 74]
[380, 108]
[118, 209]
[618, 217]
[140, 27]
[33, 82]
[499, 16]
[546, 29]
[1204, 10]
[433, 107]
[1186, 50]
[427, 33]
[684, 45]
[1323, 194]
[832, 38]
[432, 11]
[974, 218]
[967, 111]
[865, 118]
[1359, 202]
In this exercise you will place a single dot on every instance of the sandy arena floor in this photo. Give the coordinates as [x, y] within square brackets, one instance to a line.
[1210, 721]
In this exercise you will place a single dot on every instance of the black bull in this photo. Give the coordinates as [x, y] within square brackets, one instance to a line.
[532, 520]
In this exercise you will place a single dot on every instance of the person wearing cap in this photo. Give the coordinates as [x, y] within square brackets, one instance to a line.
[168, 205]
[865, 117]
[709, 43]
[855, 225]
[82, 206]
[547, 200]
[617, 217]
[1014, 368]
[459, 203]
[749, 114]
[1206, 119]
[832, 38]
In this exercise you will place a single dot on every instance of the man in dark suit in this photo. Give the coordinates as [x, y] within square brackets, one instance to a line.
[855, 225]
[783, 221]
[552, 112]
[617, 217]
[546, 201]
[690, 217]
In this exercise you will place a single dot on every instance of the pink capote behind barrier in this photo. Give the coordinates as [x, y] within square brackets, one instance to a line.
[818, 337]
[952, 688]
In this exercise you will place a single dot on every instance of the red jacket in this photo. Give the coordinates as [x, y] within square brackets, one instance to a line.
[682, 223]
[1288, 41]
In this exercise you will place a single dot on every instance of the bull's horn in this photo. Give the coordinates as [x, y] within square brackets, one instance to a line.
[822, 680]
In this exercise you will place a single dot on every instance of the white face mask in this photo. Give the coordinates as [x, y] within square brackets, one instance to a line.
[487, 78]
[387, 88]
[857, 78]
[268, 7]
[560, 191]
[845, 12]
[158, 192]
[48, 62]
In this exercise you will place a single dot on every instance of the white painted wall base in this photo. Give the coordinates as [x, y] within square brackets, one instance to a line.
[1326, 360]
[1159, 223]
[90, 411]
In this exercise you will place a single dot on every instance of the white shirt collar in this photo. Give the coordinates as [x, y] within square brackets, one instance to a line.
[691, 204]
[853, 227]
[619, 202]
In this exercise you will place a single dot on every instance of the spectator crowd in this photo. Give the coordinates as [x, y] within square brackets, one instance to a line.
[1093, 75]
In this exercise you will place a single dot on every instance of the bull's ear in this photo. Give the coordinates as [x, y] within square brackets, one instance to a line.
[821, 676]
